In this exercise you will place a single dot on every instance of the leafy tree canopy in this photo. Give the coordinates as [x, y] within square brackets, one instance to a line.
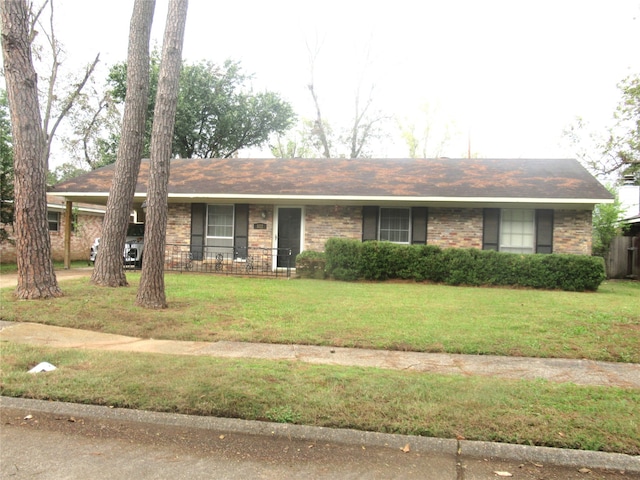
[606, 224]
[623, 144]
[617, 151]
[216, 114]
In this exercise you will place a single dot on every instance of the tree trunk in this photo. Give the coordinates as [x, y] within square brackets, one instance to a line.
[36, 278]
[109, 269]
[151, 292]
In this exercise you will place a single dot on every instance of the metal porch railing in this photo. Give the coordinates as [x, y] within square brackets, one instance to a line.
[225, 260]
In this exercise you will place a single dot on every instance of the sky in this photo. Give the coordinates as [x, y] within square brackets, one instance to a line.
[507, 76]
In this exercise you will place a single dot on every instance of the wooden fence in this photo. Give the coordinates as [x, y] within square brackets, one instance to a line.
[623, 260]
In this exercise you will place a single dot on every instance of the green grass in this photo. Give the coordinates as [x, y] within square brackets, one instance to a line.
[13, 268]
[477, 408]
[602, 325]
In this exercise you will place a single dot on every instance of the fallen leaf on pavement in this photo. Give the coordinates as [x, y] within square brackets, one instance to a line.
[406, 448]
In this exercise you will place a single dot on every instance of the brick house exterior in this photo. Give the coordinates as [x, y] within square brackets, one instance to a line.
[235, 205]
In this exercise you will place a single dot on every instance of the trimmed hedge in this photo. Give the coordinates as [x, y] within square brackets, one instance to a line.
[310, 264]
[353, 260]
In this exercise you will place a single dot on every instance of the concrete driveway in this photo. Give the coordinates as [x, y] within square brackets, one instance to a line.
[11, 279]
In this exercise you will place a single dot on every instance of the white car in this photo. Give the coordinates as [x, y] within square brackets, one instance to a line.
[133, 247]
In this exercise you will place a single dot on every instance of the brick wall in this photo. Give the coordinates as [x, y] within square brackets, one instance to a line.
[179, 224]
[323, 222]
[447, 227]
[89, 227]
[572, 231]
[259, 238]
[455, 227]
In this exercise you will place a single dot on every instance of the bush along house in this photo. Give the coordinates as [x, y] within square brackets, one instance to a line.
[257, 214]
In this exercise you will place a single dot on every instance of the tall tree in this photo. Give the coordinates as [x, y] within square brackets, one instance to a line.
[109, 269]
[151, 292]
[364, 127]
[618, 152]
[60, 96]
[6, 169]
[36, 277]
[95, 132]
[216, 115]
[606, 225]
[428, 134]
[294, 145]
[623, 143]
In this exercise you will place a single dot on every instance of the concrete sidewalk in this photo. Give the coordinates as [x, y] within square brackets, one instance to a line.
[580, 372]
[281, 450]
[441, 458]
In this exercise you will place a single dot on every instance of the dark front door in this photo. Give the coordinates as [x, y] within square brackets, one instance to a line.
[289, 230]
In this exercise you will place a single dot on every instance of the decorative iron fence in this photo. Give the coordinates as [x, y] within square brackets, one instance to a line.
[226, 260]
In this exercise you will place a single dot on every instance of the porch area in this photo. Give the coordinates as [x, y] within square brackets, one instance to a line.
[225, 260]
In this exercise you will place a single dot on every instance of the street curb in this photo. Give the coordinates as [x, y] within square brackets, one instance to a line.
[562, 457]
[463, 448]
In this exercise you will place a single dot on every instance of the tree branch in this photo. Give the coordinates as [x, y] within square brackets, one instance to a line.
[69, 104]
[319, 125]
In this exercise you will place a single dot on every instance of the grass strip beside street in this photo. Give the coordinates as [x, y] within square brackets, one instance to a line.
[602, 325]
[476, 408]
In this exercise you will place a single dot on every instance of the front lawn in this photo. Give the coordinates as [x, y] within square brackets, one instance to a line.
[446, 406]
[602, 325]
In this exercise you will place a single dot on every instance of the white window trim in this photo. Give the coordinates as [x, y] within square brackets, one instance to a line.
[233, 221]
[502, 247]
[408, 242]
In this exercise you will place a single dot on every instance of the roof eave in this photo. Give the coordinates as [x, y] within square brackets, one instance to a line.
[352, 198]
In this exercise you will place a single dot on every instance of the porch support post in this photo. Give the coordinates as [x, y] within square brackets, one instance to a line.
[68, 217]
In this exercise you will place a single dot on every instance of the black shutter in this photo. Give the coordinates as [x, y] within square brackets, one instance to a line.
[491, 229]
[419, 225]
[369, 223]
[198, 225]
[241, 230]
[544, 231]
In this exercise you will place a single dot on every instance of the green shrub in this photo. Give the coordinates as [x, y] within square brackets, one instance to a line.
[310, 264]
[429, 265]
[353, 260]
[343, 259]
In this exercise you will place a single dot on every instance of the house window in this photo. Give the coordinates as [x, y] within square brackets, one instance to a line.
[394, 225]
[54, 221]
[220, 225]
[517, 230]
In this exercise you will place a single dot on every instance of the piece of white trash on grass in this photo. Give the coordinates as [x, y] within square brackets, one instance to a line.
[42, 367]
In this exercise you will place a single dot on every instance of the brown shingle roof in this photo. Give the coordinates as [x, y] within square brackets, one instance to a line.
[419, 178]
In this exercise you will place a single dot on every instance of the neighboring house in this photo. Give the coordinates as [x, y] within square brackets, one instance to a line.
[629, 196]
[511, 205]
[86, 226]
